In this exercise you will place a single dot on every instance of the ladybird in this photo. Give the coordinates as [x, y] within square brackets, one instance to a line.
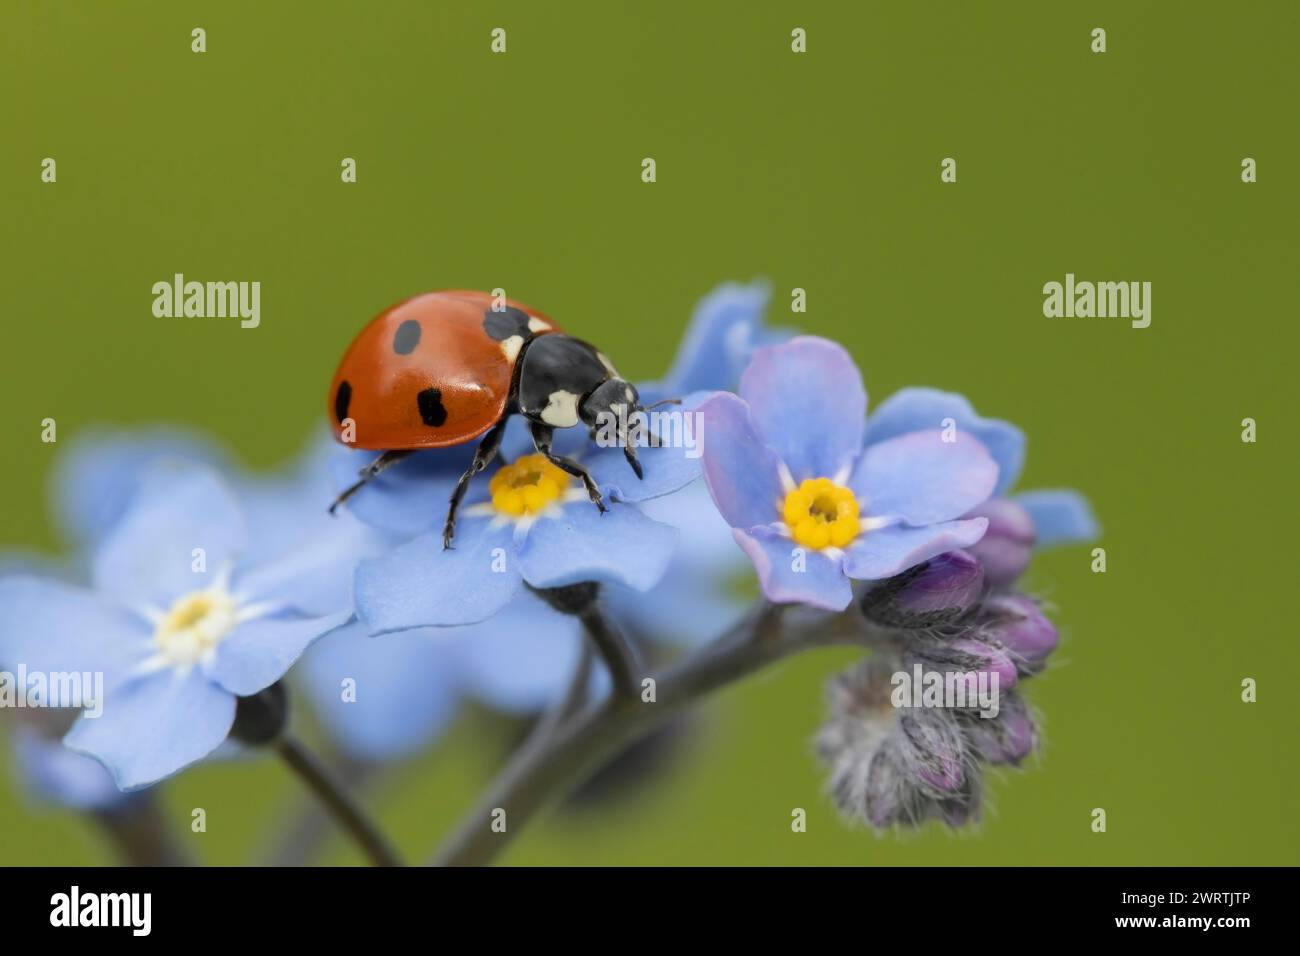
[448, 368]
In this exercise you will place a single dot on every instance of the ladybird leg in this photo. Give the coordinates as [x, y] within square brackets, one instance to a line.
[542, 435]
[483, 455]
[629, 452]
[372, 470]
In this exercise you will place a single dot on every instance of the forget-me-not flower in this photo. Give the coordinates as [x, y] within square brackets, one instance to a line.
[786, 465]
[176, 622]
[526, 521]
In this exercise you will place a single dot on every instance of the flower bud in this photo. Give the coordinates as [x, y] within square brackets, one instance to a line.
[893, 766]
[935, 751]
[964, 655]
[1008, 544]
[1008, 738]
[939, 591]
[1019, 626]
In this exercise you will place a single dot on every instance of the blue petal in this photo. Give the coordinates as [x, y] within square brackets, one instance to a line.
[742, 473]
[922, 478]
[621, 546]
[807, 402]
[149, 559]
[54, 774]
[924, 409]
[98, 474]
[821, 582]
[403, 693]
[314, 576]
[50, 626]
[669, 465]
[704, 543]
[694, 601]
[258, 653]
[1060, 516]
[884, 552]
[411, 497]
[422, 585]
[522, 659]
[155, 726]
[723, 332]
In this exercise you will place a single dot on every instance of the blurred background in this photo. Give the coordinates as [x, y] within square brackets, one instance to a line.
[818, 171]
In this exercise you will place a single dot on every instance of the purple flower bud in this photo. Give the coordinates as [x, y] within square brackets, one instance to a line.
[939, 591]
[935, 751]
[1008, 738]
[1019, 626]
[987, 657]
[963, 655]
[1008, 543]
[894, 766]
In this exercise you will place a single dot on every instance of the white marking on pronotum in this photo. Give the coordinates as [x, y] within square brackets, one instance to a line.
[536, 325]
[511, 347]
[561, 409]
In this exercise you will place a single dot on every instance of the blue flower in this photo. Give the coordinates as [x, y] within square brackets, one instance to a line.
[522, 522]
[176, 622]
[1043, 518]
[786, 465]
[517, 661]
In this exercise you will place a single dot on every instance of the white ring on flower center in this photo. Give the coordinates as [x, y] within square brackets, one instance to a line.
[189, 632]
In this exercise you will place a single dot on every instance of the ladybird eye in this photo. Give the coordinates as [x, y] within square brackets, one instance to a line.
[407, 337]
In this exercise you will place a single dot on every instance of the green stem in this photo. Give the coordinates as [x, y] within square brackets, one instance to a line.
[346, 811]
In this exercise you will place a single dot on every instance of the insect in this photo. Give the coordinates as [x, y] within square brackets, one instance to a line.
[447, 368]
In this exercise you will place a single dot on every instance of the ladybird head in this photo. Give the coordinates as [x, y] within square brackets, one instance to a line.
[615, 399]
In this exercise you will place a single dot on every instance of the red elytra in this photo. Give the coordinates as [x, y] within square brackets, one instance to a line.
[427, 373]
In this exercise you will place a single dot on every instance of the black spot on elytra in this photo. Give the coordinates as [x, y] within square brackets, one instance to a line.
[502, 325]
[407, 337]
[341, 400]
[432, 412]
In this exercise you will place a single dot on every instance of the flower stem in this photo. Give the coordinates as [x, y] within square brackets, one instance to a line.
[583, 602]
[346, 811]
[546, 770]
[138, 832]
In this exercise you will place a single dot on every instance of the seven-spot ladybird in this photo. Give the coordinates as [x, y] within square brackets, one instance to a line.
[445, 368]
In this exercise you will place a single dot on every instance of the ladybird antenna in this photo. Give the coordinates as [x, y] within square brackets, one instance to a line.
[662, 401]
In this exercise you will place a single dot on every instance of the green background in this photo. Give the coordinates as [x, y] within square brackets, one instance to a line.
[819, 171]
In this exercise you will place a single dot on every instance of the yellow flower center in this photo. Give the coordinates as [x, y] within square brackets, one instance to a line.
[527, 486]
[195, 625]
[821, 514]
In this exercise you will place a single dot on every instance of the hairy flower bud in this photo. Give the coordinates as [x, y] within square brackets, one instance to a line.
[1016, 623]
[1008, 738]
[1008, 544]
[895, 766]
[939, 591]
[963, 655]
